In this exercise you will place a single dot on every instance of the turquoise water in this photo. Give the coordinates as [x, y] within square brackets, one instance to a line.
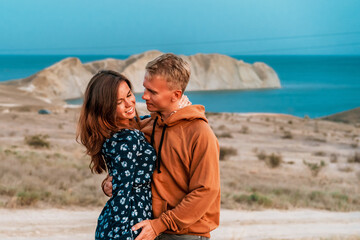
[311, 85]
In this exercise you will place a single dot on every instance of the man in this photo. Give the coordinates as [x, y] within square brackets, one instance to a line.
[186, 182]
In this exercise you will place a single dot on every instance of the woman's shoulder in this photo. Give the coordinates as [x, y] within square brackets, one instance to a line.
[126, 135]
[122, 140]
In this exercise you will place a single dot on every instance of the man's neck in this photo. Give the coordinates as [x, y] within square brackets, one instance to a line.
[166, 114]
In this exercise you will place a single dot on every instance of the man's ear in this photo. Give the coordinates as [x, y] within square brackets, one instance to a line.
[177, 94]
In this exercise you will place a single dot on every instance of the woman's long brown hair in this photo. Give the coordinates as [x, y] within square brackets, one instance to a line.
[97, 119]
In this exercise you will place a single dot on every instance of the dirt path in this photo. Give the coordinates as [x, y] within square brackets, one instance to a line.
[299, 224]
[59, 224]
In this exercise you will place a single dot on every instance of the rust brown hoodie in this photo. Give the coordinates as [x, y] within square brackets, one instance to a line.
[186, 182]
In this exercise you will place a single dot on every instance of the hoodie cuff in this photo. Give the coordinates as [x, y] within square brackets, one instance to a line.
[158, 226]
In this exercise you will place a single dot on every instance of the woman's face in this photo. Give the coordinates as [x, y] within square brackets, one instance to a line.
[125, 102]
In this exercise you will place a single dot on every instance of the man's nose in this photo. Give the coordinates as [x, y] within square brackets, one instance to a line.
[145, 96]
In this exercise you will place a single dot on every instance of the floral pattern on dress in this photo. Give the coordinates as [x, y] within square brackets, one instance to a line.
[130, 161]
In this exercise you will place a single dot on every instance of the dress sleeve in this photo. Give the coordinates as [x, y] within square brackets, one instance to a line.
[122, 152]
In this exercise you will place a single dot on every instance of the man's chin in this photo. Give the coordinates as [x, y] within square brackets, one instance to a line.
[150, 108]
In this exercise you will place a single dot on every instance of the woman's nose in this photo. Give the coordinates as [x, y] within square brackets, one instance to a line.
[127, 102]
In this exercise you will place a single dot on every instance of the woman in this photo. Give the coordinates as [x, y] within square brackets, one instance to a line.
[107, 128]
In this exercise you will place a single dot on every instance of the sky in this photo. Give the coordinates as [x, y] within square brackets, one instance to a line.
[232, 27]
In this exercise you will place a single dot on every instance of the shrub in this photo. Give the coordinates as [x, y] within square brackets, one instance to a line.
[354, 145]
[222, 127]
[316, 127]
[254, 198]
[30, 197]
[358, 175]
[223, 135]
[314, 167]
[273, 160]
[315, 139]
[38, 141]
[354, 158]
[316, 196]
[345, 168]
[333, 158]
[287, 135]
[319, 153]
[24, 109]
[340, 196]
[261, 155]
[226, 152]
[26, 198]
[244, 129]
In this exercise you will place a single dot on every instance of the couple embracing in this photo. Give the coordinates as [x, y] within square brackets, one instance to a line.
[163, 170]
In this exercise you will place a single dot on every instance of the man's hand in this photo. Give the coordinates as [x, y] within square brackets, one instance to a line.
[147, 232]
[107, 186]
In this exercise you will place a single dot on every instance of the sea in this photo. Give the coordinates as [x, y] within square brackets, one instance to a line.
[313, 86]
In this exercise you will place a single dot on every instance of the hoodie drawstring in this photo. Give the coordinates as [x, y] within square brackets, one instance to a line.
[160, 145]
[153, 132]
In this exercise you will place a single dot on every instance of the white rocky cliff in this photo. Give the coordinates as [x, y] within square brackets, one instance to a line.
[68, 78]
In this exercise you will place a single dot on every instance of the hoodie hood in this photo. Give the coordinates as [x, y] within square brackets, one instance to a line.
[188, 113]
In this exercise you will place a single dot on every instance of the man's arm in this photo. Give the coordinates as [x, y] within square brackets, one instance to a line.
[204, 184]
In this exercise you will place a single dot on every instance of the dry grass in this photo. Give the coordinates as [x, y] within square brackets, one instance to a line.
[29, 177]
[316, 182]
[258, 191]
[59, 175]
[42, 165]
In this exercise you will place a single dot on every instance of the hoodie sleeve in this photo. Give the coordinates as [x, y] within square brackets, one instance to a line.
[204, 183]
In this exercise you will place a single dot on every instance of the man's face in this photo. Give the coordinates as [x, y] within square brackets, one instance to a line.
[157, 94]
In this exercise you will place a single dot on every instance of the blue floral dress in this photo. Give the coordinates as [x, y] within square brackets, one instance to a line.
[130, 161]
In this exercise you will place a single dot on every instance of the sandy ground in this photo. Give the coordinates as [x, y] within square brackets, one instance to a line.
[59, 224]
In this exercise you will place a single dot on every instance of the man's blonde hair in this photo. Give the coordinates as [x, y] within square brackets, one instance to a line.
[174, 69]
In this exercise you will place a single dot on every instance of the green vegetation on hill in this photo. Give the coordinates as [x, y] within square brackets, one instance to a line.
[351, 116]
